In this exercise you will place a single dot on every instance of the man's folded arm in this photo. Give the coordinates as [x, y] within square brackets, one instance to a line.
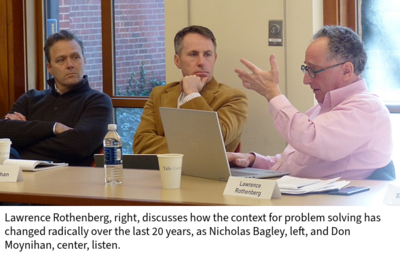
[84, 138]
[26, 133]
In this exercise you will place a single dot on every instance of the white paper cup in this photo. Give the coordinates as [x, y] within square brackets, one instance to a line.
[170, 170]
[5, 145]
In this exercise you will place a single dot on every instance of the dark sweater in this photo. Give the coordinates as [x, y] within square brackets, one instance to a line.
[85, 110]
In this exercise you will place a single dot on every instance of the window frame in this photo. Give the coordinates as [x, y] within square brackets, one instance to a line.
[335, 12]
[341, 12]
[346, 13]
[107, 20]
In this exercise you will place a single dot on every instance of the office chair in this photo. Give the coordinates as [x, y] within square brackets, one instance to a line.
[14, 154]
[99, 150]
[386, 173]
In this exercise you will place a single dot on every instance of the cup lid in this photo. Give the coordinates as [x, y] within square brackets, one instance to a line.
[169, 155]
[5, 140]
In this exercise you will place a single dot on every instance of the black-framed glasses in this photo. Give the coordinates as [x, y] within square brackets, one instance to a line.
[313, 73]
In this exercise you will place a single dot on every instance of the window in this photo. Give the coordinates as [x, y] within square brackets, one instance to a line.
[124, 48]
[139, 58]
[377, 24]
[126, 129]
[139, 47]
[83, 18]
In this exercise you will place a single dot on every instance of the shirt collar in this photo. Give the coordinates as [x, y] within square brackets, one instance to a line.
[337, 96]
[82, 85]
[56, 89]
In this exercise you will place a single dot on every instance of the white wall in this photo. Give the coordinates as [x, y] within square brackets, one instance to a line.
[241, 29]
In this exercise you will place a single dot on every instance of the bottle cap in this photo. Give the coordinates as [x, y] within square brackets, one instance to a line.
[112, 127]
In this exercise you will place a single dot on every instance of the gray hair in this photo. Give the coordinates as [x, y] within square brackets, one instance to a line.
[345, 46]
[178, 40]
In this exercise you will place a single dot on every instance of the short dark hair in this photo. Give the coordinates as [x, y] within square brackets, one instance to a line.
[178, 41]
[63, 35]
[345, 46]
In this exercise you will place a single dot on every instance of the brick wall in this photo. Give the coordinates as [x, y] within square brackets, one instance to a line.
[139, 37]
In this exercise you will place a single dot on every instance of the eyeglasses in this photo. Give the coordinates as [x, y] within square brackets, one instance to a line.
[313, 73]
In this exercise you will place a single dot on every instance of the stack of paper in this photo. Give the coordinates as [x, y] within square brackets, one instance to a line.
[294, 185]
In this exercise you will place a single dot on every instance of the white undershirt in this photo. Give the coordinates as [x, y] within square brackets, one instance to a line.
[183, 98]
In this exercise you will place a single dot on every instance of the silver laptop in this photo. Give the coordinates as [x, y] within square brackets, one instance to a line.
[197, 135]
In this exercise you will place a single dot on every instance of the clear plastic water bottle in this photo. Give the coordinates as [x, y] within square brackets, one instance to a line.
[113, 156]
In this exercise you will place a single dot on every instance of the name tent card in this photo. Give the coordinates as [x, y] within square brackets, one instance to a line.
[254, 188]
[10, 173]
[392, 196]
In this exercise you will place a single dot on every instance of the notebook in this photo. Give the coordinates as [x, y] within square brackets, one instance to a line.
[197, 135]
[136, 161]
[33, 165]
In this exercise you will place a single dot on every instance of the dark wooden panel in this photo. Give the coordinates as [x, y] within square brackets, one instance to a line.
[40, 75]
[107, 38]
[331, 12]
[129, 102]
[351, 17]
[17, 67]
[4, 97]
